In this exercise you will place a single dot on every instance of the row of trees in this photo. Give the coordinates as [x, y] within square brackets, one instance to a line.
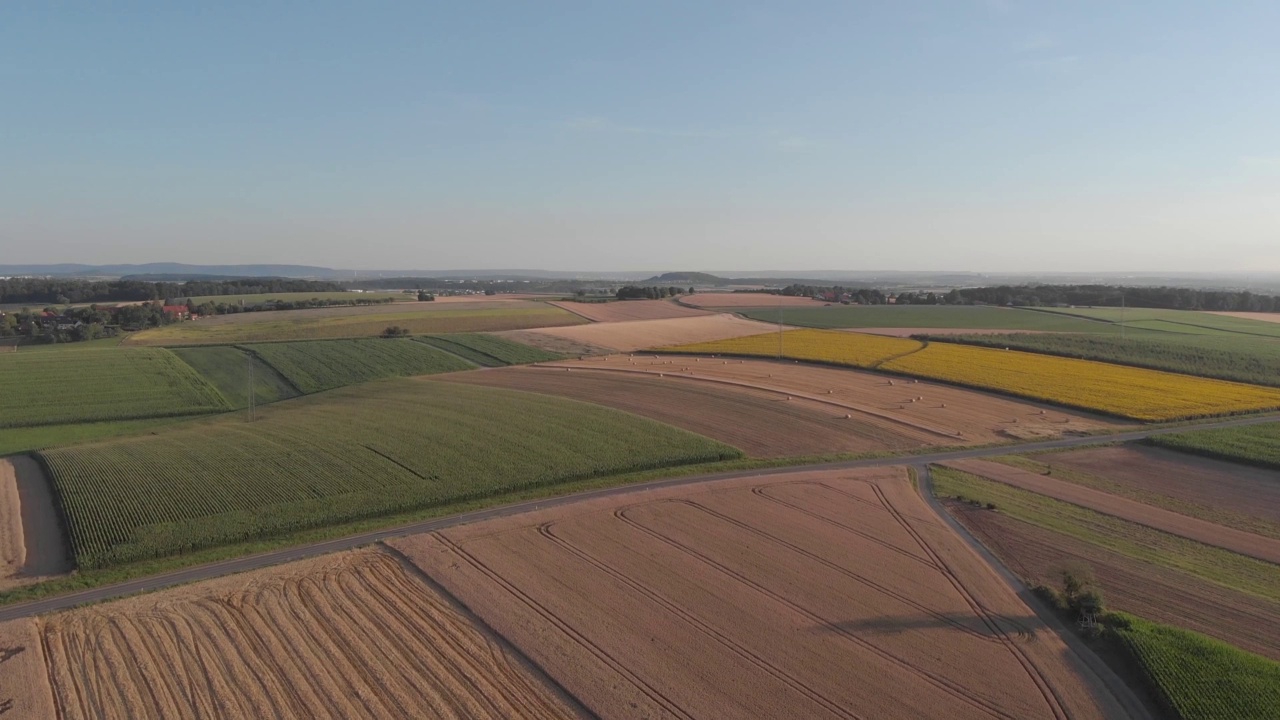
[649, 292]
[210, 307]
[63, 291]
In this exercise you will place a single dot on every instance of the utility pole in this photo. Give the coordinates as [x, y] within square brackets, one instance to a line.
[1122, 315]
[249, 358]
[779, 325]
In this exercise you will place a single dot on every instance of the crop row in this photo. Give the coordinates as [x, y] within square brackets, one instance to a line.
[488, 350]
[326, 364]
[354, 453]
[1252, 445]
[97, 384]
[1123, 391]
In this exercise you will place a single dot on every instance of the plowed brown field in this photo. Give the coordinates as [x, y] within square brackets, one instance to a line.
[947, 415]
[1240, 489]
[31, 542]
[630, 336]
[760, 423]
[1144, 589]
[624, 310]
[743, 300]
[352, 635]
[806, 595]
[1245, 543]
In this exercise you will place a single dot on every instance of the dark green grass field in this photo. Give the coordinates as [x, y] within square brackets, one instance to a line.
[228, 369]
[1257, 445]
[927, 316]
[1242, 358]
[488, 350]
[320, 365]
[1182, 321]
[355, 453]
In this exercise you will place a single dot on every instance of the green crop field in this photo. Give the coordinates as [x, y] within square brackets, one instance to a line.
[100, 384]
[1140, 542]
[228, 369]
[39, 437]
[300, 296]
[1252, 445]
[355, 453]
[1199, 678]
[489, 350]
[1240, 358]
[319, 365]
[355, 322]
[926, 316]
[1182, 321]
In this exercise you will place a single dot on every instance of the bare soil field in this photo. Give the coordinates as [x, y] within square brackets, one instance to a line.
[760, 423]
[1144, 589]
[806, 595]
[640, 334]
[724, 300]
[1264, 317]
[947, 415]
[552, 343]
[909, 331]
[1240, 489]
[624, 310]
[1262, 548]
[358, 634]
[31, 543]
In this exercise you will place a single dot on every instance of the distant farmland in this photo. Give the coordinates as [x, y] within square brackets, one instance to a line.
[300, 296]
[488, 350]
[924, 316]
[93, 384]
[354, 322]
[350, 454]
[319, 365]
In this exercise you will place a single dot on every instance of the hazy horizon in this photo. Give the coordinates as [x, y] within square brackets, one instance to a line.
[989, 136]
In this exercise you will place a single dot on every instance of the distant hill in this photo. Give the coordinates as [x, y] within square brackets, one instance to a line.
[696, 278]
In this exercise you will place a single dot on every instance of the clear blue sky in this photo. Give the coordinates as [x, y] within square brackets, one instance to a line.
[976, 135]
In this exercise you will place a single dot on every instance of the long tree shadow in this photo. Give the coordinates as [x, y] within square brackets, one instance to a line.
[8, 652]
[894, 625]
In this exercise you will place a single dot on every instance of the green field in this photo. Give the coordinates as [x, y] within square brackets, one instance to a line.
[299, 296]
[355, 453]
[926, 316]
[1240, 358]
[1181, 321]
[356, 322]
[53, 388]
[1252, 445]
[228, 369]
[1216, 565]
[18, 440]
[489, 350]
[320, 365]
[1197, 677]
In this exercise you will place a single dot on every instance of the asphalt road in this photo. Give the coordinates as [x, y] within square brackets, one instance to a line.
[276, 557]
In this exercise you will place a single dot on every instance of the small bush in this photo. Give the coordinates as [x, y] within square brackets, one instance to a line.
[991, 506]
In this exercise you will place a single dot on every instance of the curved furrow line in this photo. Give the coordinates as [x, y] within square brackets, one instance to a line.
[55, 670]
[879, 505]
[759, 492]
[183, 670]
[125, 675]
[689, 618]
[1042, 684]
[261, 625]
[240, 669]
[619, 667]
[240, 614]
[943, 684]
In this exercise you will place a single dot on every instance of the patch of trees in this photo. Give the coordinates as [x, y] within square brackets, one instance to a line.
[648, 292]
[1169, 298]
[63, 291]
[209, 307]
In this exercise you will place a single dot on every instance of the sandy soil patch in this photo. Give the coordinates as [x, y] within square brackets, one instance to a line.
[24, 684]
[760, 423]
[759, 598]
[908, 332]
[625, 310]
[1196, 529]
[946, 415]
[31, 542]
[1147, 590]
[1253, 492]
[358, 634]
[640, 334]
[1264, 317]
[717, 301]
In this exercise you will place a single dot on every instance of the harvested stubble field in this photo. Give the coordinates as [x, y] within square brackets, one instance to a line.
[100, 384]
[1259, 316]
[359, 634]
[727, 300]
[639, 334]
[1228, 494]
[1135, 511]
[928, 413]
[351, 322]
[763, 598]
[354, 453]
[317, 365]
[760, 423]
[624, 310]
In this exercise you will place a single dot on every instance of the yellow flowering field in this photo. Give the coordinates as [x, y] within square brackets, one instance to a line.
[1129, 392]
[828, 346]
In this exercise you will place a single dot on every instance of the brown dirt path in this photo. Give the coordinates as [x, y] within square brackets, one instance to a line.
[31, 543]
[24, 684]
[1191, 528]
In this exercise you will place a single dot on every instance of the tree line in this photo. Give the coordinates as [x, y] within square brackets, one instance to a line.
[63, 291]
[648, 292]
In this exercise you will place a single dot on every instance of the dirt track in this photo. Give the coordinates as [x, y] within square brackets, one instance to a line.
[625, 310]
[31, 542]
[640, 334]
[1245, 543]
[350, 635]
[763, 598]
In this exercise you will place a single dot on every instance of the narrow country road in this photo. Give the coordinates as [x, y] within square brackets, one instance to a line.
[276, 557]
